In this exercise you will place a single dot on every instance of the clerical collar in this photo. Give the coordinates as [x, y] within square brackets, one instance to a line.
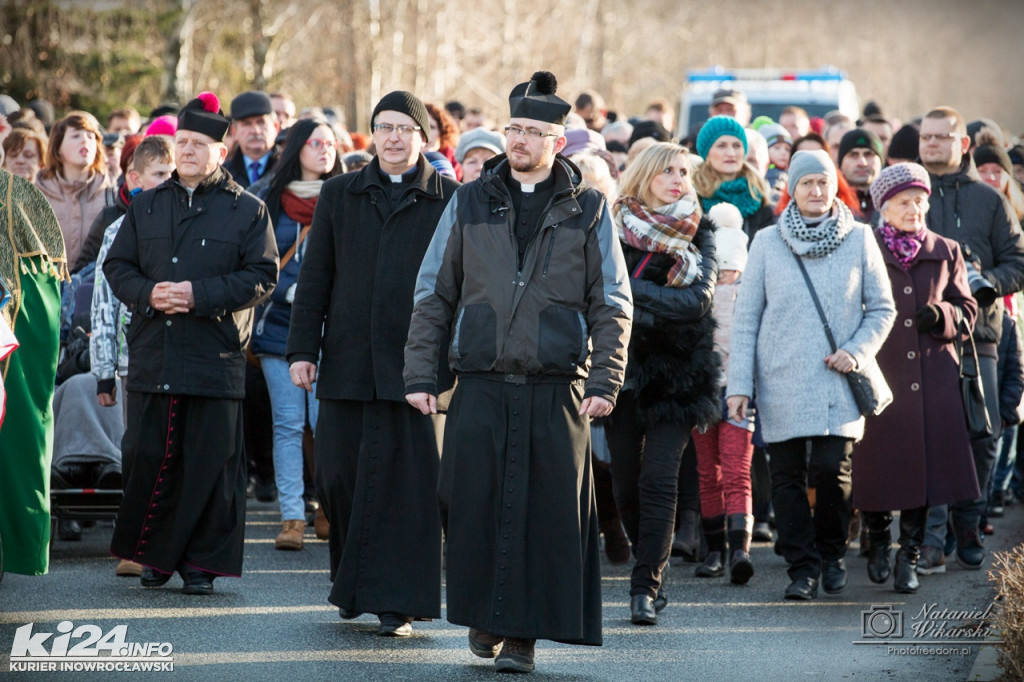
[407, 176]
[542, 186]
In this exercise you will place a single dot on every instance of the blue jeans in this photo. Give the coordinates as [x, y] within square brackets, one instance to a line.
[1004, 466]
[290, 406]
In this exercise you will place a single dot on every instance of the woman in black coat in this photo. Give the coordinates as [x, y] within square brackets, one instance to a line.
[670, 383]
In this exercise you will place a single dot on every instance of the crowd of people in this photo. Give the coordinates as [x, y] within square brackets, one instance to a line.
[493, 350]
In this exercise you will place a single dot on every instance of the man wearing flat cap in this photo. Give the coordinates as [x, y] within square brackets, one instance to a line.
[376, 457]
[192, 258]
[526, 275]
[254, 128]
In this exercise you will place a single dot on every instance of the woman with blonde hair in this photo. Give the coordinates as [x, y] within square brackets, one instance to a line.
[996, 169]
[74, 179]
[726, 176]
[671, 379]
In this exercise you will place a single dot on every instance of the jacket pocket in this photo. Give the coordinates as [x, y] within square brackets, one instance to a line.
[562, 339]
[475, 340]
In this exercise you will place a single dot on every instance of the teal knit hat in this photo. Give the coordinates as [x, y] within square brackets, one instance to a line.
[714, 128]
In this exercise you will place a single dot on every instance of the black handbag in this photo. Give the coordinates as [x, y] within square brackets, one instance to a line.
[867, 384]
[971, 390]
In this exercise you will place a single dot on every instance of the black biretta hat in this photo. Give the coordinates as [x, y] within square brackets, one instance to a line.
[203, 115]
[536, 99]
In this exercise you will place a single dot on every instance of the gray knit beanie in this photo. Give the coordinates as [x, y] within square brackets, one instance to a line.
[809, 162]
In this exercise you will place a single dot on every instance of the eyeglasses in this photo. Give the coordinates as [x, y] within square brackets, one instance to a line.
[387, 129]
[320, 144]
[511, 131]
[939, 137]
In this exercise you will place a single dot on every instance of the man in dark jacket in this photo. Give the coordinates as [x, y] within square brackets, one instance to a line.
[254, 128]
[376, 457]
[191, 259]
[967, 210]
[527, 274]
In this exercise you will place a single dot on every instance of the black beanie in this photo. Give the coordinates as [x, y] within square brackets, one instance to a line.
[859, 137]
[647, 128]
[905, 144]
[990, 153]
[404, 103]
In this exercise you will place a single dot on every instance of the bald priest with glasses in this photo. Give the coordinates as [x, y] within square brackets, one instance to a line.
[376, 456]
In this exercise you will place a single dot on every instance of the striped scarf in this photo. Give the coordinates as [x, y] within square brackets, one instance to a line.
[670, 231]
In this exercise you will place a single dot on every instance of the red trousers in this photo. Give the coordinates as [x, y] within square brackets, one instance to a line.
[723, 468]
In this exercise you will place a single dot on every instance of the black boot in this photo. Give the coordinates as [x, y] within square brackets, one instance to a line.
[912, 527]
[686, 543]
[880, 545]
[741, 570]
[713, 565]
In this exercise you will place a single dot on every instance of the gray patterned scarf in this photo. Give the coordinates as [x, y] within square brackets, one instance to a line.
[821, 239]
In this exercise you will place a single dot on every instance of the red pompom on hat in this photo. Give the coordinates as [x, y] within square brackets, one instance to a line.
[203, 115]
[210, 102]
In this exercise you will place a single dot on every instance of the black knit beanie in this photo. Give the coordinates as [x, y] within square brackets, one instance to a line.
[404, 103]
[905, 144]
[990, 153]
[860, 137]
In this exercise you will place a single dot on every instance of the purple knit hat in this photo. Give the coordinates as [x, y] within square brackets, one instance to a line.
[896, 178]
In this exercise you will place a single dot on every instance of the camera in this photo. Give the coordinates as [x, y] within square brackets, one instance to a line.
[881, 622]
[983, 290]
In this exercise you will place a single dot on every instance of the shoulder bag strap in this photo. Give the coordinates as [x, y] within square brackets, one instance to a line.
[291, 252]
[817, 303]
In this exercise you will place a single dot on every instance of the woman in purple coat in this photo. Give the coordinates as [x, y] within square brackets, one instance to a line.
[917, 452]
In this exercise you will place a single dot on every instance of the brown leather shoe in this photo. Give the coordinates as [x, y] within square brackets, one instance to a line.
[321, 526]
[128, 568]
[290, 537]
[483, 644]
[516, 656]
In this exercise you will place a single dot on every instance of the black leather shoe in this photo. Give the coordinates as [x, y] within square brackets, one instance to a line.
[196, 580]
[878, 558]
[153, 578]
[394, 625]
[833, 576]
[68, 529]
[265, 491]
[712, 567]
[642, 611]
[348, 614]
[661, 601]
[803, 589]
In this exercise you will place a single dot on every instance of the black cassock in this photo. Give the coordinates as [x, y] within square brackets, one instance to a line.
[184, 494]
[517, 500]
[376, 468]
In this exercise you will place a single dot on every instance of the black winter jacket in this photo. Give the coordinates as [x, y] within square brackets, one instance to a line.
[355, 290]
[221, 240]
[565, 313]
[673, 367]
[966, 210]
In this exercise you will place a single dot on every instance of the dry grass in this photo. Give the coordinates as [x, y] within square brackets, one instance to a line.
[1008, 576]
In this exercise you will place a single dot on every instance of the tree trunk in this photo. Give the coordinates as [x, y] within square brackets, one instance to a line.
[176, 86]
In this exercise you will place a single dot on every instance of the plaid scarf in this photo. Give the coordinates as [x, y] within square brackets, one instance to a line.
[670, 231]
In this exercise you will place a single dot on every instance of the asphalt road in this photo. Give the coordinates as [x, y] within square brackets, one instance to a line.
[275, 623]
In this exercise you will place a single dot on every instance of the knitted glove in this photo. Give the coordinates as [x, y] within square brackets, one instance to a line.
[928, 317]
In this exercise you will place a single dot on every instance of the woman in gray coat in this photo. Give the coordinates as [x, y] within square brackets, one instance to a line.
[779, 352]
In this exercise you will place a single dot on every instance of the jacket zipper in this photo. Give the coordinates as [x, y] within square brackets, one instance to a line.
[551, 247]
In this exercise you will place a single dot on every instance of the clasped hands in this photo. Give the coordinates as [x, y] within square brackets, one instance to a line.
[172, 297]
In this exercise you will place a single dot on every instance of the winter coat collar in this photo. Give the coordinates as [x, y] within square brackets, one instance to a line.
[427, 180]
[568, 177]
[966, 174]
[932, 248]
[219, 179]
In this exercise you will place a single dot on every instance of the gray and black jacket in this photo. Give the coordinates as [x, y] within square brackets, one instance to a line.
[567, 312]
[966, 210]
